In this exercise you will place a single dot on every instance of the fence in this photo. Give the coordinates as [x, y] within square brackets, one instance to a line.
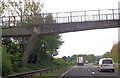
[61, 17]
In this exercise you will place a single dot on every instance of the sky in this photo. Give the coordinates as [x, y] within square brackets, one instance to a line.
[78, 5]
[95, 42]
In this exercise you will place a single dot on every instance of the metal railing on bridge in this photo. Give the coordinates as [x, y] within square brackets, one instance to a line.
[60, 17]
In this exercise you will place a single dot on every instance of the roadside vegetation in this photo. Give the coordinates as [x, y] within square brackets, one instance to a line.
[114, 54]
[91, 58]
[46, 46]
[53, 74]
[10, 66]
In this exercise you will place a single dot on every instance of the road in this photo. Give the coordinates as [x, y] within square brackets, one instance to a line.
[88, 71]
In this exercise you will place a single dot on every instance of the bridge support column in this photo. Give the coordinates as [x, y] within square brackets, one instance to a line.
[29, 48]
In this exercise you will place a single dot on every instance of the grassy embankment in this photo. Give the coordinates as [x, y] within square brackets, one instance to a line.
[53, 74]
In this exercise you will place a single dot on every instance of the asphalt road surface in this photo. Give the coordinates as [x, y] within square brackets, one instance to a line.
[88, 71]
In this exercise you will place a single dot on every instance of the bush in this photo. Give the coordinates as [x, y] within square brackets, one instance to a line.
[0, 61]
[59, 62]
[6, 63]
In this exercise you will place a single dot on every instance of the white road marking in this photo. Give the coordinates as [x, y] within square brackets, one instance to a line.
[66, 72]
[95, 66]
[93, 73]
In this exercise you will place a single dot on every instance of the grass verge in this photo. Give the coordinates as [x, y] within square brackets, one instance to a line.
[53, 74]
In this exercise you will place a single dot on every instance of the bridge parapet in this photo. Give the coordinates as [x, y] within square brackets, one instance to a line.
[60, 17]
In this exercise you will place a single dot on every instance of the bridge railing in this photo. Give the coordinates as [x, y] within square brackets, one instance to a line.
[60, 17]
[91, 15]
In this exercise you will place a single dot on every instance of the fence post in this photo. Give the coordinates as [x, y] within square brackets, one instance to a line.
[70, 16]
[119, 10]
[2, 21]
[9, 22]
[56, 17]
[81, 18]
[106, 17]
[85, 15]
[113, 13]
[99, 14]
[21, 17]
[14, 20]
[68, 19]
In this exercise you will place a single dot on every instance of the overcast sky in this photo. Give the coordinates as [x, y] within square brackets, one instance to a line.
[95, 42]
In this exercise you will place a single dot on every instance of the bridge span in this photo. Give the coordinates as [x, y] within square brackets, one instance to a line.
[59, 28]
[15, 26]
[62, 22]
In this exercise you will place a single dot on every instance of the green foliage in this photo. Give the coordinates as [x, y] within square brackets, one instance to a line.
[49, 19]
[114, 53]
[53, 42]
[16, 60]
[0, 60]
[13, 51]
[32, 7]
[45, 64]
[107, 54]
[53, 74]
[6, 63]
[45, 45]
[3, 6]
[59, 62]
[119, 52]
[90, 58]
[32, 10]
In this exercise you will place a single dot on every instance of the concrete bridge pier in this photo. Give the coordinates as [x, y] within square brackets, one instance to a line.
[29, 48]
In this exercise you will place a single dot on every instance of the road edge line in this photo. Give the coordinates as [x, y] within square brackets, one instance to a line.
[66, 72]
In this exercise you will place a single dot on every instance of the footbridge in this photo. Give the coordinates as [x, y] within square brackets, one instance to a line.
[62, 22]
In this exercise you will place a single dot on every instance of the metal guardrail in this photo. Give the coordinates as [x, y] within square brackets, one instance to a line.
[62, 17]
[31, 73]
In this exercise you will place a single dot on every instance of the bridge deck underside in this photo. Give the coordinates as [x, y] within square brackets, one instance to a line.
[19, 31]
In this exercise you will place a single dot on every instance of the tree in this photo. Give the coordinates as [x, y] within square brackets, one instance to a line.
[32, 12]
[25, 18]
[64, 58]
[6, 62]
[73, 57]
[114, 53]
[13, 50]
[107, 54]
[46, 45]
[3, 7]
[33, 17]
[90, 58]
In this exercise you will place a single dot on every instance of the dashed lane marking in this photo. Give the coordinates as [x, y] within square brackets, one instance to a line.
[66, 72]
